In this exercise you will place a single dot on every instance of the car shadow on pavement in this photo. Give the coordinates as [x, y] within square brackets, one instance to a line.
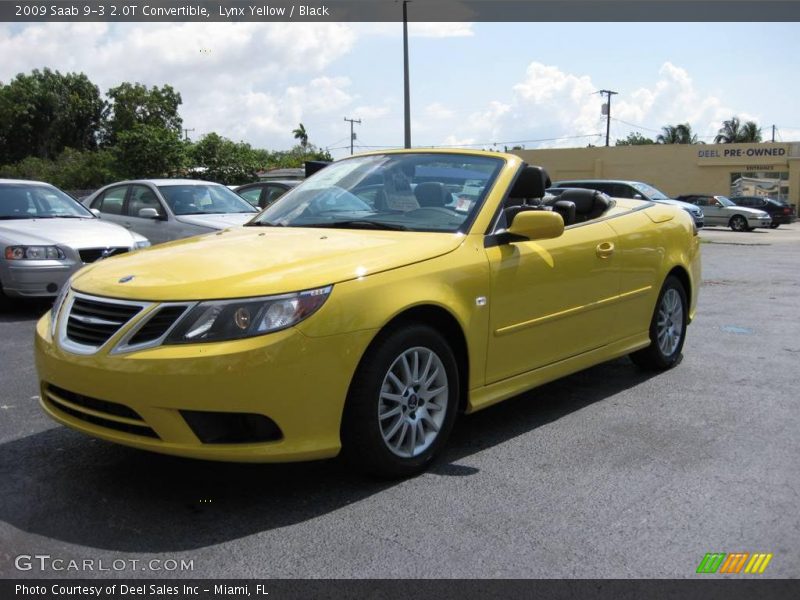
[64, 486]
[14, 310]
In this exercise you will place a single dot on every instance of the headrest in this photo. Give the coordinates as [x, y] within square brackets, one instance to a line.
[587, 202]
[531, 183]
[432, 193]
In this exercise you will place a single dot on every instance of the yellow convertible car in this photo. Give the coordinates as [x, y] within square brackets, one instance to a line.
[363, 310]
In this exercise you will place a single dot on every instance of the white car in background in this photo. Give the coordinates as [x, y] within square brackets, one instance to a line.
[169, 209]
[45, 236]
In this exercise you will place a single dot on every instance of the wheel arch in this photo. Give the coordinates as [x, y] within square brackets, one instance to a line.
[445, 323]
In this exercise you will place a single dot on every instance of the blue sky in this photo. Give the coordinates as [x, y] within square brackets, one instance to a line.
[472, 83]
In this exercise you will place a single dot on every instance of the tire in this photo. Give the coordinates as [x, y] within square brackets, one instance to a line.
[738, 223]
[390, 428]
[774, 225]
[666, 340]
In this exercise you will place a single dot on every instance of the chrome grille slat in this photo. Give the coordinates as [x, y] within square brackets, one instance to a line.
[92, 321]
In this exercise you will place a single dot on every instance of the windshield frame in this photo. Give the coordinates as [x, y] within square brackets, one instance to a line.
[268, 216]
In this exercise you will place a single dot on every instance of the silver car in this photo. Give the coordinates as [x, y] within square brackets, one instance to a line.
[170, 209]
[721, 211]
[46, 236]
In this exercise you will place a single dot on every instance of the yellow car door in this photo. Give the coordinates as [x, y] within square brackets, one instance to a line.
[551, 299]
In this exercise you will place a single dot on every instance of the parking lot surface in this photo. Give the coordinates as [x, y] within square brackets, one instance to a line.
[611, 472]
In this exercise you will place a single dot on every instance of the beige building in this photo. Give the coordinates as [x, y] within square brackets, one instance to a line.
[728, 169]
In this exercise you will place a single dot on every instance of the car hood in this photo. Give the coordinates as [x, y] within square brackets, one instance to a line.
[217, 220]
[75, 233]
[258, 261]
[754, 212]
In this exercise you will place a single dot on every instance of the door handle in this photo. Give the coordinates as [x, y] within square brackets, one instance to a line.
[605, 249]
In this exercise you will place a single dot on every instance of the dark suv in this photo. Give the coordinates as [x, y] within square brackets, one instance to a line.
[780, 211]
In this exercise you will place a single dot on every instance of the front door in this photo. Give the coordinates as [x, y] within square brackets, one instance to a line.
[551, 299]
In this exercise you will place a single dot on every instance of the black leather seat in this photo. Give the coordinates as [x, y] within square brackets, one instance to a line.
[567, 210]
[589, 204]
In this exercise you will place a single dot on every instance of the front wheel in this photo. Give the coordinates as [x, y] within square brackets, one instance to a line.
[738, 223]
[402, 402]
[667, 329]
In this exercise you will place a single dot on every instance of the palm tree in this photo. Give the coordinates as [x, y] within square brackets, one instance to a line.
[301, 134]
[732, 131]
[676, 134]
[750, 132]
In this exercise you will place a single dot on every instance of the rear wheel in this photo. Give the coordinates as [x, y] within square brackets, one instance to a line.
[738, 223]
[667, 328]
[402, 403]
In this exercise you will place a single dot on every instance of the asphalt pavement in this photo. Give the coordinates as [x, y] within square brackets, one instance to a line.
[611, 472]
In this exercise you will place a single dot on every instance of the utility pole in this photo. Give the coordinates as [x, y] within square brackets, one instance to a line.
[352, 133]
[406, 88]
[609, 93]
[186, 133]
[773, 133]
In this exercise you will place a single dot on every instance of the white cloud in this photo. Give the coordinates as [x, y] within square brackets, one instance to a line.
[252, 81]
[548, 102]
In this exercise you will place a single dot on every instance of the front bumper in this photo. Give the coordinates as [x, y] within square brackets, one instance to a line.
[759, 222]
[298, 382]
[39, 278]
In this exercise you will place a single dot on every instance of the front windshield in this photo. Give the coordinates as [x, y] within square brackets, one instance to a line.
[189, 199]
[412, 191]
[725, 201]
[35, 201]
[650, 192]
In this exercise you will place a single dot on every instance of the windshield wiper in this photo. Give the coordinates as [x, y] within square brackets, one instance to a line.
[358, 224]
[263, 224]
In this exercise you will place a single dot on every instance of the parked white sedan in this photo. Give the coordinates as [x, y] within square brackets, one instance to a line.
[46, 236]
[169, 209]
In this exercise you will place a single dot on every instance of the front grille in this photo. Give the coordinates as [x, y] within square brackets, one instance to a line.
[157, 325]
[98, 412]
[93, 322]
[90, 255]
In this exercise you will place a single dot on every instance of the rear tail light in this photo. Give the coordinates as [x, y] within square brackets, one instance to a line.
[787, 211]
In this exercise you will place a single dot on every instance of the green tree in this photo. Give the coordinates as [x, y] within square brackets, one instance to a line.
[676, 134]
[733, 131]
[634, 139]
[45, 112]
[301, 135]
[224, 161]
[132, 104]
[297, 156]
[149, 151]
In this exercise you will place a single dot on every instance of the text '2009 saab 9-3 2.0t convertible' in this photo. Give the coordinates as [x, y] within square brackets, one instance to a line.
[364, 309]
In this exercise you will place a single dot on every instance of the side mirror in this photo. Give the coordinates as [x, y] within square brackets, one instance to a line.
[638, 197]
[149, 213]
[95, 212]
[537, 225]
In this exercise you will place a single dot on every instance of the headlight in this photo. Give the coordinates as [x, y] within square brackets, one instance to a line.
[34, 253]
[141, 243]
[219, 320]
[764, 215]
